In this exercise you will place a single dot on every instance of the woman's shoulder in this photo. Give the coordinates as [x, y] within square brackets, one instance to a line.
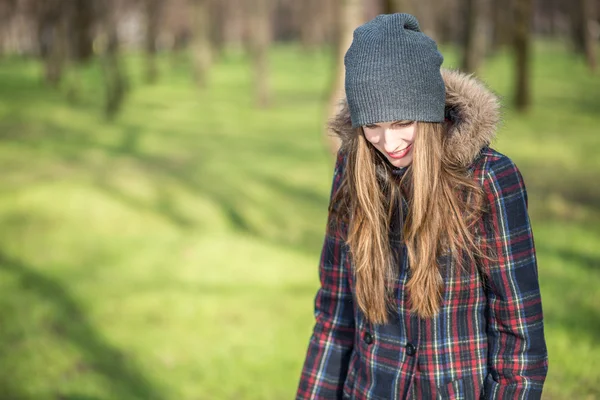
[491, 160]
[493, 168]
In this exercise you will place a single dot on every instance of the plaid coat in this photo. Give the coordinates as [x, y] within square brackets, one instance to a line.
[487, 342]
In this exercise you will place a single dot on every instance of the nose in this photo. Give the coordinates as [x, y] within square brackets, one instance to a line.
[390, 142]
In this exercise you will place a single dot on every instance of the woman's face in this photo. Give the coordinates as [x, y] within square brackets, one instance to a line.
[394, 140]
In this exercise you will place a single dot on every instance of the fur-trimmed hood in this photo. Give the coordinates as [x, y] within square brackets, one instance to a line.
[471, 108]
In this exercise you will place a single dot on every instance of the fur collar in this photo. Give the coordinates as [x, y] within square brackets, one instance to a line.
[471, 108]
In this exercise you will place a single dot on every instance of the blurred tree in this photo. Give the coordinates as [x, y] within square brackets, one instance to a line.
[311, 21]
[583, 21]
[577, 27]
[82, 34]
[350, 16]
[74, 47]
[502, 21]
[288, 20]
[218, 13]
[311, 24]
[523, 16]
[153, 10]
[388, 7]
[426, 11]
[52, 36]
[115, 81]
[397, 6]
[7, 9]
[202, 51]
[476, 34]
[235, 24]
[176, 25]
[446, 23]
[546, 20]
[260, 40]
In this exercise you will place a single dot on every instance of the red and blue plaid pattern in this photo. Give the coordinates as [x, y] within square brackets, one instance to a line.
[486, 342]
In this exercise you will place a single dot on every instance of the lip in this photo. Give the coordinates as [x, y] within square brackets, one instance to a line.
[400, 154]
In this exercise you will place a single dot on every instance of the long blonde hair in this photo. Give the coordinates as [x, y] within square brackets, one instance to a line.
[443, 206]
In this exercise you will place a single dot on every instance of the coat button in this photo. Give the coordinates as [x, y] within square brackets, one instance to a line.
[410, 349]
[368, 338]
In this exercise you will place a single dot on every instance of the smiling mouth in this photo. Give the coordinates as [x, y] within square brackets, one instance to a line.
[400, 153]
[401, 150]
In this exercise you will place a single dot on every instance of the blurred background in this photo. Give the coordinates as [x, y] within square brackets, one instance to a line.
[166, 172]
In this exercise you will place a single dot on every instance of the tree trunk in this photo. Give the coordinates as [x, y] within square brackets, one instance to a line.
[55, 63]
[445, 23]
[52, 36]
[502, 22]
[588, 10]
[311, 24]
[475, 40]
[218, 11]
[523, 15]
[115, 82]
[202, 51]
[577, 26]
[397, 6]
[82, 37]
[235, 24]
[260, 41]
[552, 18]
[388, 6]
[426, 12]
[153, 10]
[350, 17]
[74, 48]
[7, 9]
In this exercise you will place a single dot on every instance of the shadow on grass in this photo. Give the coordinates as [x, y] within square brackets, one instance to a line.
[574, 187]
[69, 324]
[587, 261]
[228, 189]
[579, 316]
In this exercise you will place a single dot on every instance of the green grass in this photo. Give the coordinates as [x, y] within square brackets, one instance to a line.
[172, 253]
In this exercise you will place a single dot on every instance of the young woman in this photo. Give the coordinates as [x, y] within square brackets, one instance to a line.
[429, 285]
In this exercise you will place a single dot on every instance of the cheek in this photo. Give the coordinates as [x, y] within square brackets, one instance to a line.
[377, 145]
[372, 138]
[412, 132]
[368, 135]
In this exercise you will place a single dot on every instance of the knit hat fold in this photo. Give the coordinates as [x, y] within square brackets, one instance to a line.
[393, 73]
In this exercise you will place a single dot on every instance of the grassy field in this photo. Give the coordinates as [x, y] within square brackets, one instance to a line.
[172, 253]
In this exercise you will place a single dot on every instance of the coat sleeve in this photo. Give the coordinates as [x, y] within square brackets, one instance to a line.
[517, 354]
[332, 340]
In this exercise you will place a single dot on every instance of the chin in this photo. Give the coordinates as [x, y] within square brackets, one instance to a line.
[401, 163]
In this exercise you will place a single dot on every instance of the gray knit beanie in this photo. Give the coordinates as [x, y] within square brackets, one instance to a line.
[393, 73]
